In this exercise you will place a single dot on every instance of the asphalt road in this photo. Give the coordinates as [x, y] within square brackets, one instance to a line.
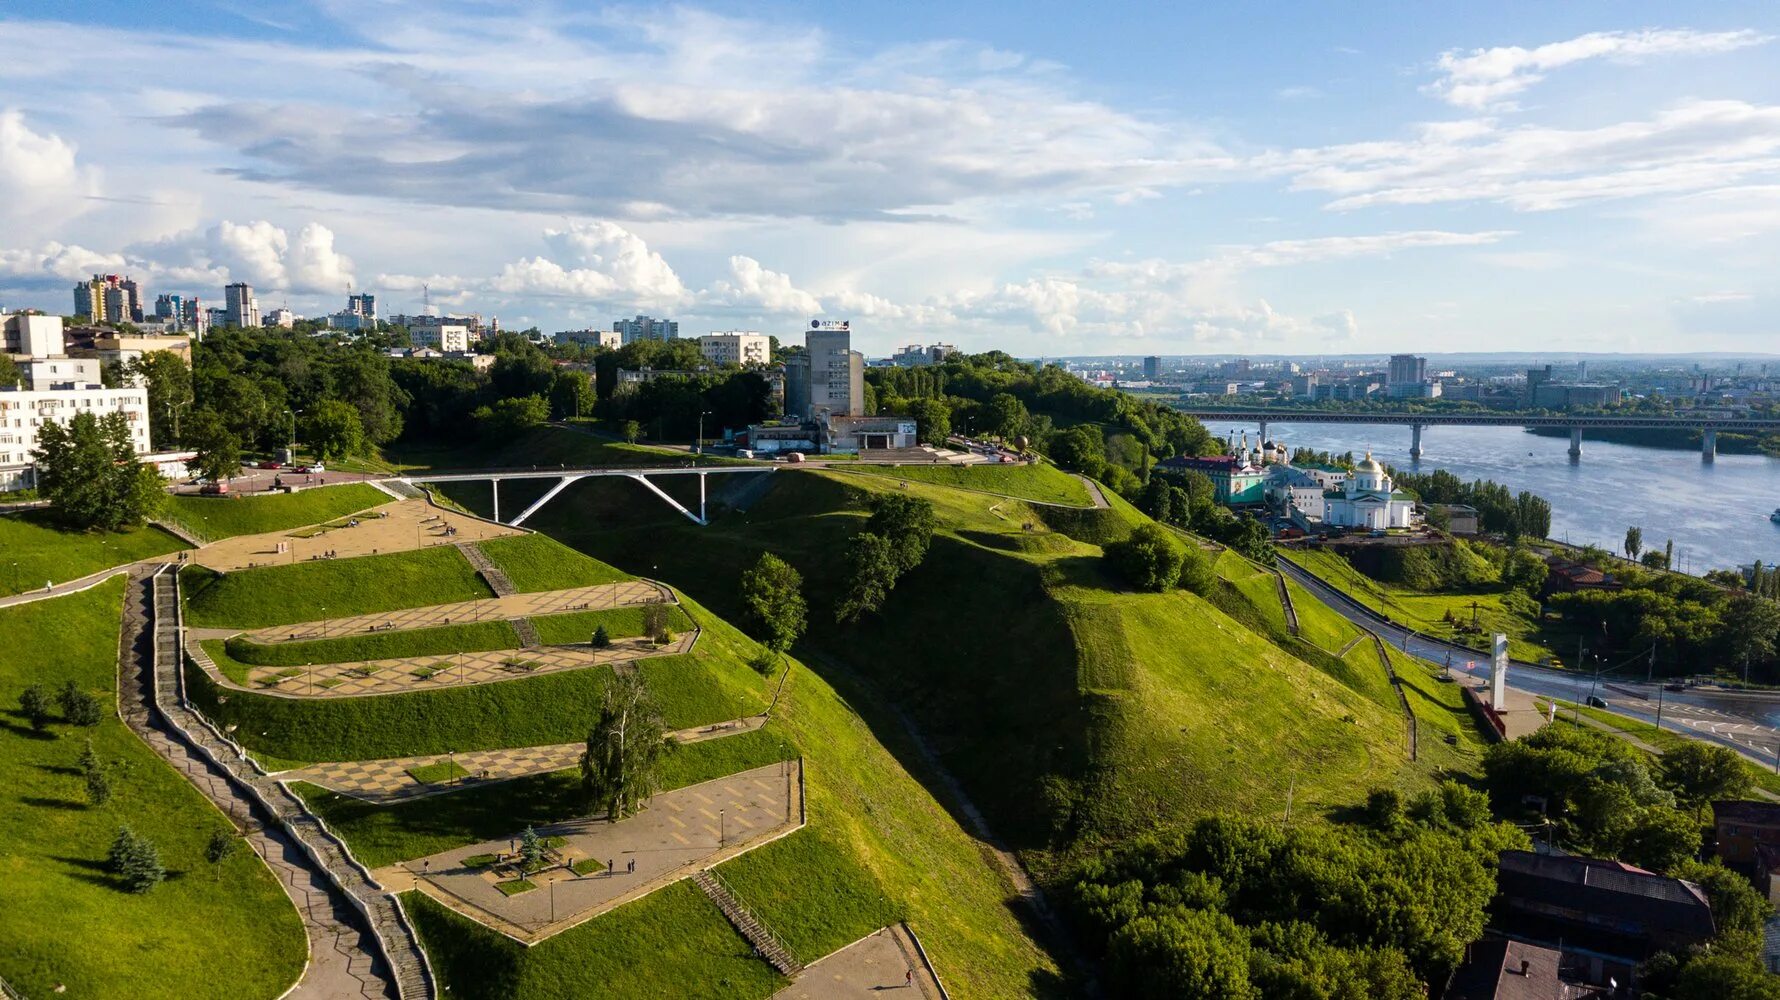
[1747, 723]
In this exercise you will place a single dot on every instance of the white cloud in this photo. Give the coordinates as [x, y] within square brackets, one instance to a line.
[54, 260]
[751, 286]
[1484, 79]
[41, 181]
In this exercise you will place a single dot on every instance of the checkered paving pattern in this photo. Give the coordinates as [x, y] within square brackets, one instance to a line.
[393, 527]
[386, 781]
[548, 602]
[415, 673]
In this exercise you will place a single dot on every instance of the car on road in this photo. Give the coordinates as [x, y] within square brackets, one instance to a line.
[1596, 701]
[214, 488]
[306, 469]
[270, 464]
[1677, 686]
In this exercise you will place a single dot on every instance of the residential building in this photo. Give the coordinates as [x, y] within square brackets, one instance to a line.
[591, 338]
[1503, 969]
[40, 374]
[1743, 828]
[1565, 576]
[109, 298]
[1413, 390]
[89, 300]
[281, 317]
[1237, 369]
[445, 337]
[1294, 491]
[360, 313]
[1303, 385]
[736, 347]
[30, 335]
[1610, 908]
[1358, 388]
[1216, 387]
[56, 388]
[646, 328]
[828, 378]
[1536, 377]
[1406, 369]
[1565, 396]
[916, 356]
[215, 317]
[239, 307]
[40, 348]
[429, 325]
[193, 317]
[1152, 368]
[1461, 519]
[1368, 499]
[480, 362]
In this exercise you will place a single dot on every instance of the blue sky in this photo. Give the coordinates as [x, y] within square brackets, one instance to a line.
[1043, 178]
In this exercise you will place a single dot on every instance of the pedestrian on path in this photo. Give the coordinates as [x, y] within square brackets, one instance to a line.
[908, 977]
[633, 866]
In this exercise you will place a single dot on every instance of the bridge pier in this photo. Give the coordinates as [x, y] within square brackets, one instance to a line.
[1415, 442]
[701, 498]
[1708, 444]
[1575, 442]
[494, 486]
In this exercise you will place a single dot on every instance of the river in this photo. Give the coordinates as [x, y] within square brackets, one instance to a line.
[1717, 513]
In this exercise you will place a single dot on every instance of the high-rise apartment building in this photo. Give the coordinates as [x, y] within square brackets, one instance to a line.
[646, 328]
[239, 308]
[1536, 377]
[1407, 369]
[109, 298]
[736, 347]
[828, 378]
[1152, 368]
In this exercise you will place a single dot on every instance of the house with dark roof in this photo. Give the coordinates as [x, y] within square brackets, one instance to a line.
[1610, 908]
[1500, 969]
[1564, 576]
[1743, 828]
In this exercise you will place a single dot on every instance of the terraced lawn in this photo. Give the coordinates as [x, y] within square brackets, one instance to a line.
[214, 517]
[539, 562]
[33, 551]
[329, 588]
[64, 919]
[1042, 482]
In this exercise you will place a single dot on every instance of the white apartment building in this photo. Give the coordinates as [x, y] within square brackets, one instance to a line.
[42, 374]
[447, 337]
[24, 412]
[736, 347]
[281, 317]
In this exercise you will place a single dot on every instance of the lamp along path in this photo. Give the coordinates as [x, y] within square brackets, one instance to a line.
[601, 597]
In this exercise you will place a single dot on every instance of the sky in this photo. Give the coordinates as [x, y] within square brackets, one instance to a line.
[1043, 178]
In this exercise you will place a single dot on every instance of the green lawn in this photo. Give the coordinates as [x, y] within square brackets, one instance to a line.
[33, 551]
[329, 588]
[383, 835]
[671, 942]
[434, 773]
[1042, 482]
[466, 638]
[1663, 739]
[576, 627]
[812, 892]
[538, 562]
[1426, 612]
[62, 917]
[712, 684]
[214, 517]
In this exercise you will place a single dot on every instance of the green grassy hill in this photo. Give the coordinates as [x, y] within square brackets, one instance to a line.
[1074, 711]
[212, 518]
[63, 917]
[33, 551]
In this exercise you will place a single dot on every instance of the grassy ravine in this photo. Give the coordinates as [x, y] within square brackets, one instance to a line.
[34, 551]
[712, 684]
[62, 917]
[383, 835]
[212, 518]
[536, 562]
[329, 588]
[1044, 483]
[671, 942]
[1426, 612]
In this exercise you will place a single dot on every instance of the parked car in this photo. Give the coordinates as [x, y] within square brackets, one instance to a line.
[271, 464]
[306, 469]
[214, 488]
[1676, 686]
[1596, 701]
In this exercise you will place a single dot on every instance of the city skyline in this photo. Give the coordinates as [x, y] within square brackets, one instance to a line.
[1571, 180]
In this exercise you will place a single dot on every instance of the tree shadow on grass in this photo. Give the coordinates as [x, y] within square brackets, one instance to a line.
[26, 731]
[58, 769]
[48, 803]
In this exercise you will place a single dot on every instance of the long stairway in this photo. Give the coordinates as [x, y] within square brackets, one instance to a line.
[390, 954]
[497, 580]
[765, 942]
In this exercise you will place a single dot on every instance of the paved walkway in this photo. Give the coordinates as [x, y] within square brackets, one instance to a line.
[549, 602]
[344, 959]
[882, 964]
[417, 673]
[386, 781]
[403, 525]
[681, 831]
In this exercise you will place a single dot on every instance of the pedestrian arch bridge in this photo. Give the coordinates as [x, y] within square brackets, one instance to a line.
[564, 476]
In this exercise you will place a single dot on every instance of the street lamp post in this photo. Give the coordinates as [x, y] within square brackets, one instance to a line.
[722, 827]
[699, 449]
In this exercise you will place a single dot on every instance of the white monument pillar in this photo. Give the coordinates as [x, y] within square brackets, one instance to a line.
[1499, 674]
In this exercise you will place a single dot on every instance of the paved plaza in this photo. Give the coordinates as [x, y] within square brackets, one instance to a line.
[387, 781]
[680, 832]
[547, 602]
[882, 964]
[397, 526]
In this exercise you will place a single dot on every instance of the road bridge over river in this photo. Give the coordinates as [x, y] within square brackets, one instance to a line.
[1707, 423]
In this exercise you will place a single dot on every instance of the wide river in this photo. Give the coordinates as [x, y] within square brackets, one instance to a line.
[1717, 513]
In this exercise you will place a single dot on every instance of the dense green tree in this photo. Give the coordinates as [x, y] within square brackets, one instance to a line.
[1524, 571]
[34, 702]
[10, 375]
[168, 380]
[1751, 629]
[79, 707]
[1081, 448]
[600, 639]
[630, 430]
[1701, 773]
[571, 394]
[333, 430]
[135, 861]
[1196, 571]
[1147, 559]
[98, 786]
[1660, 839]
[1005, 416]
[871, 573]
[1737, 908]
[508, 417]
[88, 470]
[772, 593]
[933, 420]
[218, 449]
[907, 522]
[621, 766]
[531, 851]
[1181, 952]
[1634, 541]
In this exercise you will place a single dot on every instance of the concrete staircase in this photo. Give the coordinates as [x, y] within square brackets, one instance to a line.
[400, 489]
[528, 634]
[765, 942]
[491, 574]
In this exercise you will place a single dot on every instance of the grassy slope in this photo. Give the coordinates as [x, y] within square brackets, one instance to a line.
[330, 588]
[539, 446]
[465, 638]
[537, 562]
[1044, 483]
[811, 892]
[224, 517]
[711, 684]
[61, 917]
[33, 550]
[1424, 611]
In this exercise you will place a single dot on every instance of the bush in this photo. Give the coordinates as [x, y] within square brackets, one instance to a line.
[34, 702]
[79, 707]
[135, 861]
[1196, 572]
[1148, 559]
[600, 639]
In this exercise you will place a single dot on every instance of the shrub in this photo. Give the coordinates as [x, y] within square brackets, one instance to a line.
[1148, 559]
[135, 861]
[601, 639]
[79, 707]
[34, 701]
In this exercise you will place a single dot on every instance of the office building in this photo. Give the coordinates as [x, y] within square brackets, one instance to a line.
[591, 338]
[646, 328]
[736, 347]
[1536, 377]
[281, 317]
[1407, 369]
[916, 356]
[828, 378]
[1152, 368]
[447, 337]
[239, 307]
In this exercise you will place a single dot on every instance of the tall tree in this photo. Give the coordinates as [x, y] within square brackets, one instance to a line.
[772, 591]
[218, 449]
[169, 383]
[907, 522]
[1634, 541]
[89, 471]
[621, 765]
[333, 430]
[871, 573]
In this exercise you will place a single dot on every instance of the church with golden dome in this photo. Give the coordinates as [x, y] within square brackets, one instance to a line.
[1368, 499]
